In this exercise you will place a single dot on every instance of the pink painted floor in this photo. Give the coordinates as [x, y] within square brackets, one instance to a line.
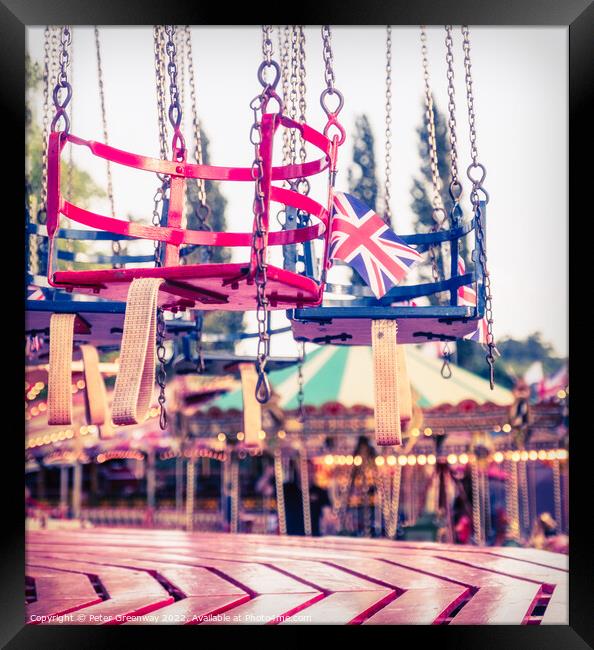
[129, 576]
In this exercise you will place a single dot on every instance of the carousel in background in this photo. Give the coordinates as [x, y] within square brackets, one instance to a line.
[476, 466]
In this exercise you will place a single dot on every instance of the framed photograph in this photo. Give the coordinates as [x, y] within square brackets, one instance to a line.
[296, 322]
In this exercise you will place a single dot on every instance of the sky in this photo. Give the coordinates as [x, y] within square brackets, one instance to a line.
[520, 86]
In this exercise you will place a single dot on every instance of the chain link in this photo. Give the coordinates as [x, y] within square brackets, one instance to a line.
[388, 132]
[300, 391]
[446, 356]
[258, 105]
[115, 244]
[158, 42]
[48, 34]
[62, 83]
[477, 173]
[196, 129]
[455, 185]
[438, 212]
[301, 94]
[178, 145]
[161, 372]
[285, 62]
[329, 77]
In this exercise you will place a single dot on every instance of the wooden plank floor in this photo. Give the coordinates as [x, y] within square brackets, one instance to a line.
[105, 576]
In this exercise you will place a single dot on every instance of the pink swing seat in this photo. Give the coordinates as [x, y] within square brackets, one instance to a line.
[223, 286]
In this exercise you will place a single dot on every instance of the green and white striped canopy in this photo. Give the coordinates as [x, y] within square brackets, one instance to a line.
[345, 374]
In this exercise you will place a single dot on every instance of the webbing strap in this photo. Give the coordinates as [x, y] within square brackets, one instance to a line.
[136, 377]
[386, 376]
[252, 409]
[404, 391]
[95, 394]
[59, 388]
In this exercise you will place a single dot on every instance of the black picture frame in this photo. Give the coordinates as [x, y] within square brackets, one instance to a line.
[15, 15]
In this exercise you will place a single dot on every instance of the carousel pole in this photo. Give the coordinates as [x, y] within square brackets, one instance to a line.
[557, 493]
[64, 488]
[150, 479]
[77, 479]
[235, 496]
[524, 497]
[511, 500]
[280, 494]
[190, 487]
[179, 488]
[477, 518]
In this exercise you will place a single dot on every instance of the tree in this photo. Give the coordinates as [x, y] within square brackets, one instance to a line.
[362, 175]
[516, 356]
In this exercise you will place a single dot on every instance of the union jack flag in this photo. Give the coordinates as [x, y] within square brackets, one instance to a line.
[467, 298]
[35, 293]
[360, 238]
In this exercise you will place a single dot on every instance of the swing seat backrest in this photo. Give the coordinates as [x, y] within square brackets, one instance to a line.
[214, 286]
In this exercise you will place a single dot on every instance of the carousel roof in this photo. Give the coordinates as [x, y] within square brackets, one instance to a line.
[345, 375]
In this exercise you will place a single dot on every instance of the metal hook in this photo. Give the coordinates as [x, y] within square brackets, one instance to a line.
[263, 391]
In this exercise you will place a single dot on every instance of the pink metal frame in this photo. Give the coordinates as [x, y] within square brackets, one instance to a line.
[173, 235]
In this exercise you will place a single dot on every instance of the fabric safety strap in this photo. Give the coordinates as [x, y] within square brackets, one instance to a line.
[386, 377]
[95, 394]
[404, 390]
[59, 388]
[136, 377]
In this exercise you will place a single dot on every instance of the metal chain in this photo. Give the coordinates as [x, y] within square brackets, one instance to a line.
[330, 90]
[158, 40]
[196, 128]
[161, 372]
[455, 185]
[48, 34]
[62, 84]
[294, 87]
[476, 173]
[180, 44]
[258, 105]
[300, 391]
[438, 212]
[202, 213]
[388, 153]
[301, 95]
[446, 356]
[178, 145]
[116, 247]
[437, 202]
[285, 59]
[329, 76]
